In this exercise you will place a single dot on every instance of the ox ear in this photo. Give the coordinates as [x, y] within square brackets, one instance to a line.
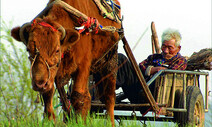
[21, 33]
[15, 33]
[72, 36]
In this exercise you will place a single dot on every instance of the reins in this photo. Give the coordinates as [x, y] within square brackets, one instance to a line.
[37, 52]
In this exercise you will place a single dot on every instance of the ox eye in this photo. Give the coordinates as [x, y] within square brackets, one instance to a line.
[57, 51]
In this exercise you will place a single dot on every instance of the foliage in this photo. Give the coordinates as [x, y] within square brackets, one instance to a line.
[16, 94]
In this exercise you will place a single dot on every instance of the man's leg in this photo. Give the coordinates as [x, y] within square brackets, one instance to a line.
[127, 79]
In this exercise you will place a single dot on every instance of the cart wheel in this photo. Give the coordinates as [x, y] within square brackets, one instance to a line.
[195, 115]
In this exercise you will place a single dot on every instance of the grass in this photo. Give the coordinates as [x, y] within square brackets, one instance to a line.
[91, 121]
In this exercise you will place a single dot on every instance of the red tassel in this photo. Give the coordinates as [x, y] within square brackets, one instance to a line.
[89, 25]
[62, 55]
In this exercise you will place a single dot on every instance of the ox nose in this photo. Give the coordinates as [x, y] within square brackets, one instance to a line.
[40, 84]
[39, 80]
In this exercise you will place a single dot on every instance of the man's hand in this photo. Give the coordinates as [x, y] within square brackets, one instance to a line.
[156, 69]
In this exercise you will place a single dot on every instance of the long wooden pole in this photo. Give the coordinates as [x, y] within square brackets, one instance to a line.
[153, 45]
[155, 38]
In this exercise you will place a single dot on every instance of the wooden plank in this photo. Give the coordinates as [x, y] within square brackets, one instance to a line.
[140, 75]
[173, 89]
[164, 89]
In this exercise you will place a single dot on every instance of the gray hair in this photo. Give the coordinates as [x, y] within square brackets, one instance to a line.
[169, 34]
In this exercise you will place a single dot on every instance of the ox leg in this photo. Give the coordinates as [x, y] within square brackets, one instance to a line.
[106, 92]
[48, 105]
[110, 87]
[65, 103]
[109, 97]
[81, 103]
[80, 96]
[87, 103]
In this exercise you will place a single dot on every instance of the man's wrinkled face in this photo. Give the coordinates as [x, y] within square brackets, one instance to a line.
[169, 49]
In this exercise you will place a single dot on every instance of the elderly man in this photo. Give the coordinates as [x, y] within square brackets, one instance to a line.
[170, 58]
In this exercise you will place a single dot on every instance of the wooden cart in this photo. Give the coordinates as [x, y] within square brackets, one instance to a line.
[178, 95]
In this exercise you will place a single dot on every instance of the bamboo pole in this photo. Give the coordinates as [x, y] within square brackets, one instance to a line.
[155, 38]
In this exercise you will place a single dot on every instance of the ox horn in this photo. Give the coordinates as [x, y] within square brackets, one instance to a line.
[21, 32]
[63, 31]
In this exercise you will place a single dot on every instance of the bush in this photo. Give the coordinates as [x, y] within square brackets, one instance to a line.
[16, 94]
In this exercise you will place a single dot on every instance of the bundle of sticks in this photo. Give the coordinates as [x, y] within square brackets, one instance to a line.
[201, 60]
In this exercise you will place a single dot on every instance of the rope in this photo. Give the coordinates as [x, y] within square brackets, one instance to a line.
[89, 25]
[120, 37]
[37, 52]
[105, 53]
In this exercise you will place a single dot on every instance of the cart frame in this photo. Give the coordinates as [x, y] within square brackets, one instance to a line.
[167, 109]
[165, 94]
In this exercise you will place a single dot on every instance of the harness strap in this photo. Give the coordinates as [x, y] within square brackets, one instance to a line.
[45, 25]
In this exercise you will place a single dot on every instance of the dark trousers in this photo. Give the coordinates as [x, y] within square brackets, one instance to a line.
[128, 81]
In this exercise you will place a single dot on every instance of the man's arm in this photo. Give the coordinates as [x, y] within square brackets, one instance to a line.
[179, 64]
[147, 66]
[154, 70]
[148, 69]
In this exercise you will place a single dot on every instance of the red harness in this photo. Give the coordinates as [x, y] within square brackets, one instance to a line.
[90, 25]
[45, 25]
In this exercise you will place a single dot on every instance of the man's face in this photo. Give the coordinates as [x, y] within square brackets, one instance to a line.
[169, 49]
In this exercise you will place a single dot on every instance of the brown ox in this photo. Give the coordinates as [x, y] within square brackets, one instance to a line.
[52, 36]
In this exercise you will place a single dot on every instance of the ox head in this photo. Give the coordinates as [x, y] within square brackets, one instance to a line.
[44, 40]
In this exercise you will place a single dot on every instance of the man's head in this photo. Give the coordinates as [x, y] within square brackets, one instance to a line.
[170, 43]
